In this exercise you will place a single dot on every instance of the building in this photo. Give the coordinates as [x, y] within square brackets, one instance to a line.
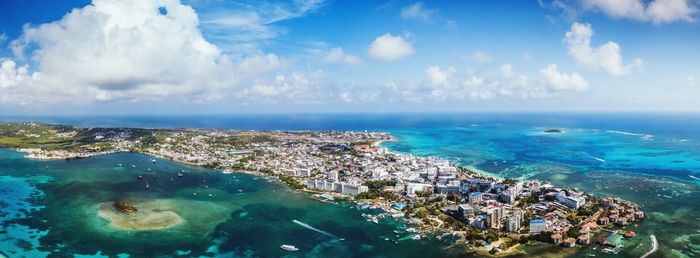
[303, 172]
[556, 239]
[353, 189]
[413, 188]
[333, 176]
[570, 242]
[571, 201]
[584, 239]
[495, 216]
[475, 197]
[477, 222]
[466, 211]
[450, 187]
[513, 224]
[537, 226]
[507, 196]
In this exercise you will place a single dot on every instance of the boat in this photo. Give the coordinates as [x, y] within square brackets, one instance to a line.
[153, 161]
[140, 177]
[149, 169]
[119, 165]
[374, 220]
[179, 174]
[147, 186]
[290, 248]
[171, 179]
[210, 195]
[133, 166]
[195, 194]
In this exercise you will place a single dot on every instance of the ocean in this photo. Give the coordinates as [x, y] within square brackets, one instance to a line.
[650, 159]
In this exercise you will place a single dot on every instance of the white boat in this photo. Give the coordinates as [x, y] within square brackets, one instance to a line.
[153, 161]
[290, 248]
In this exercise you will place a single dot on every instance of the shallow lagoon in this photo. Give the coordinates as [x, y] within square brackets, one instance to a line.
[55, 204]
[660, 172]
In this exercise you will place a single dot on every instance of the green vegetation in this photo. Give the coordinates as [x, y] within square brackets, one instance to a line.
[376, 190]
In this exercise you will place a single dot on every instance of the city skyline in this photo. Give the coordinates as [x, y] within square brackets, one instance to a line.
[173, 57]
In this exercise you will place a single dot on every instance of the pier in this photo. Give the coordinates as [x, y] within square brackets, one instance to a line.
[654, 247]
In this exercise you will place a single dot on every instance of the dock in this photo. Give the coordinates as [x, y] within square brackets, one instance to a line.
[654, 247]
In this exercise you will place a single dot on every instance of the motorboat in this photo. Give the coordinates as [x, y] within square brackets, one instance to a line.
[290, 248]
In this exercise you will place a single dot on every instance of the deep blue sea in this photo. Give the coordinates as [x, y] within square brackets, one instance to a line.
[652, 159]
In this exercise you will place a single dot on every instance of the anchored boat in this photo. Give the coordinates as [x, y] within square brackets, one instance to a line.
[290, 248]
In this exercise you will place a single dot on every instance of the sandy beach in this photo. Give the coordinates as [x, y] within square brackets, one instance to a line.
[152, 215]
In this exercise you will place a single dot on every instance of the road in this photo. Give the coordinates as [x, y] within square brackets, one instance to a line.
[654, 246]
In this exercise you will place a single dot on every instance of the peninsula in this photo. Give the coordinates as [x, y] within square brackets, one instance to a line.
[433, 196]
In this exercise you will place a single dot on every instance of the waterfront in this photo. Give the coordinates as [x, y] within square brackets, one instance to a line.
[246, 215]
[572, 159]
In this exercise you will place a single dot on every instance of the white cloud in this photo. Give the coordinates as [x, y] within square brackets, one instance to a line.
[417, 11]
[439, 76]
[242, 27]
[607, 57]
[562, 81]
[482, 57]
[11, 75]
[655, 11]
[124, 50]
[390, 48]
[337, 55]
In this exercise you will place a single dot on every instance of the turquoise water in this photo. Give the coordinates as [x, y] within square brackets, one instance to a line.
[50, 208]
[660, 172]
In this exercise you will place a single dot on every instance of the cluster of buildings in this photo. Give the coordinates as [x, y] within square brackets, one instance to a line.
[344, 163]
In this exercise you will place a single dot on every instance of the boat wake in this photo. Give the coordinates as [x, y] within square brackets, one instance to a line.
[315, 229]
[595, 158]
[647, 137]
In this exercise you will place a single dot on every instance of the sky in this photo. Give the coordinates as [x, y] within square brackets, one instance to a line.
[226, 57]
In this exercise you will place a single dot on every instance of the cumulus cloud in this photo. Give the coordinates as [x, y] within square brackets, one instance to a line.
[607, 57]
[439, 76]
[337, 55]
[563, 81]
[417, 11]
[123, 50]
[11, 75]
[655, 11]
[390, 48]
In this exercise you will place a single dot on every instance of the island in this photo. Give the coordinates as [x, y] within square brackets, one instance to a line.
[495, 216]
[554, 131]
[152, 215]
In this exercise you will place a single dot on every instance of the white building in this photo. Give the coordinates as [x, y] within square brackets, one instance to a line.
[537, 226]
[571, 201]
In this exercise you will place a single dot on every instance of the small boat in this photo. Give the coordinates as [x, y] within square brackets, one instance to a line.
[119, 165]
[205, 181]
[210, 195]
[133, 166]
[149, 169]
[179, 174]
[140, 177]
[171, 179]
[206, 186]
[195, 194]
[153, 161]
[147, 186]
[290, 248]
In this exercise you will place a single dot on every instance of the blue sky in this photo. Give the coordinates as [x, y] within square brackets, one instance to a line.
[215, 56]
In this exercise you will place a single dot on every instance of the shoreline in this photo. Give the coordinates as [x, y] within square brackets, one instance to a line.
[297, 181]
